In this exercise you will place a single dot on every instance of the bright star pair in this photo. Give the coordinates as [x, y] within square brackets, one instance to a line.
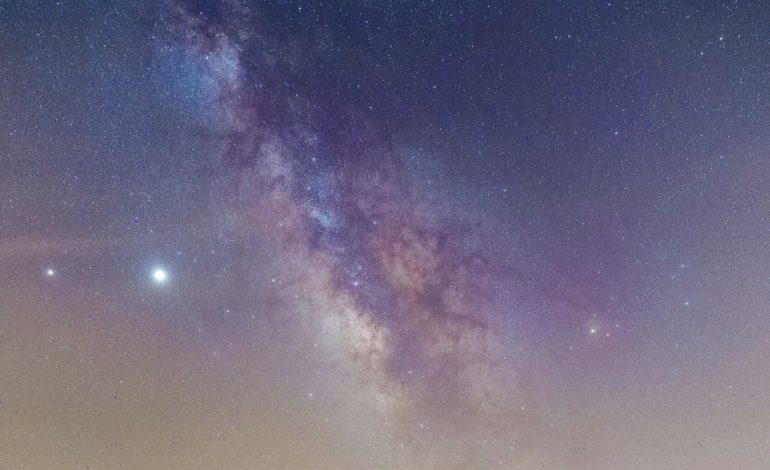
[159, 275]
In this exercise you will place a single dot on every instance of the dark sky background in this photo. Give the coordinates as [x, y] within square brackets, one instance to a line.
[379, 235]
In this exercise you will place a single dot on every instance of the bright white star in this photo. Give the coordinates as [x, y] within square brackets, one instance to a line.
[159, 275]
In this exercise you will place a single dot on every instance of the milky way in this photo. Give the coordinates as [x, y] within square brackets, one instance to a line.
[405, 296]
[384, 235]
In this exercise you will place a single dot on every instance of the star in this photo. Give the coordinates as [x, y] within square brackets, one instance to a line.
[50, 272]
[159, 275]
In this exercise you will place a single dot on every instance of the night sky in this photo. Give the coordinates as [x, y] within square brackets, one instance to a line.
[410, 235]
